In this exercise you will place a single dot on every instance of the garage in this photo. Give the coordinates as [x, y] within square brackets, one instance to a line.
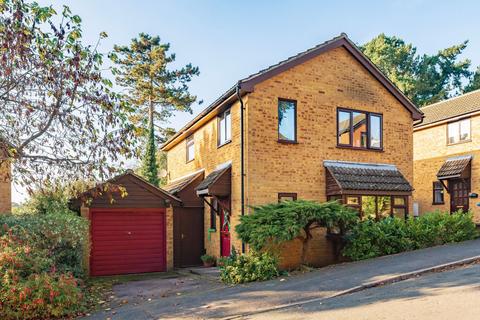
[131, 230]
[127, 241]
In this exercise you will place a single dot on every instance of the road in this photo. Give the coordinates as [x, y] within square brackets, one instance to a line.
[453, 294]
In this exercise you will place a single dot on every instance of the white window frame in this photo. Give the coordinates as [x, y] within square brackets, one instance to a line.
[455, 130]
[190, 142]
[224, 128]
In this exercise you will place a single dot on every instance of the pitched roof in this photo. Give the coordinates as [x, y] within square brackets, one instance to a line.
[179, 184]
[246, 85]
[367, 176]
[212, 178]
[454, 167]
[454, 107]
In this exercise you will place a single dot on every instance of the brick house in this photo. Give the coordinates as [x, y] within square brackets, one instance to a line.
[324, 124]
[446, 148]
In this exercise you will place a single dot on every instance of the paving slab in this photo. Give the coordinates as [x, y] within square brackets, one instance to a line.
[222, 301]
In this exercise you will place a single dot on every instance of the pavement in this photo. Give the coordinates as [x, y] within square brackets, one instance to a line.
[447, 295]
[214, 300]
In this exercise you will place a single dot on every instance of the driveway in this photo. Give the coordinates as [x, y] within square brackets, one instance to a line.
[437, 296]
[221, 301]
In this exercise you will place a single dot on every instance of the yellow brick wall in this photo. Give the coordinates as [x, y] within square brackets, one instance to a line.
[208, 156]
[5, 189]
[430, 152]
[170, 248]
[333, 79]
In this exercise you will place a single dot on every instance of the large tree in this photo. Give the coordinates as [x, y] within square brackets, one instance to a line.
[59, 118]
[154, 90]
[475, 82]
[424, 78]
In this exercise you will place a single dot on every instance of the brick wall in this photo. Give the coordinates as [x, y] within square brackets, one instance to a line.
[430, 152]
[5, 189]
[333, 79]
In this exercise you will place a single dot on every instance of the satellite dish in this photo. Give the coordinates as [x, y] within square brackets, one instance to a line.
[163, 173]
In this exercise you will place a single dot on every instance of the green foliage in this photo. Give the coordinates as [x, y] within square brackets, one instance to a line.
[372, 238]
[40, 258]
[149, 168]
[279, 222]
[208, 258]
[474, 83]
[424, 79]
[250, 267]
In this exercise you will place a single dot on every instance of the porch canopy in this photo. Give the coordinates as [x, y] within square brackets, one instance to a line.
[455, 168]
[218, 183]
[365, 179]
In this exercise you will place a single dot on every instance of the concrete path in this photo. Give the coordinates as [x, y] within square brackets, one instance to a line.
[446, 295]
[222, 301]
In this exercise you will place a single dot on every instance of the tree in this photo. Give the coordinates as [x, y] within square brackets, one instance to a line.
[474, 83]
[273, 224]
[424, 79]
[59, 117]
[155, 91]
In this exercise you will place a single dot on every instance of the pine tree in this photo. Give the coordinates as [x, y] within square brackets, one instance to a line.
[149, 168]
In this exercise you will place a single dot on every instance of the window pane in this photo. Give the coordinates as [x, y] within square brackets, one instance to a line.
[399, 213]
[369, 207]
[343, 127]
[375, 132]
[398, 201]
[437, 193]
[359, 130]
[453, 131]
[228, 126]
[384, 206]
[286, 120]
[465, 130]
[190, 151]
[354, 201]
[213, 215]
[221, 131]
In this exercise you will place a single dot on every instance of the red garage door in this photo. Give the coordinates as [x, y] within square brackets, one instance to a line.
[127, 241]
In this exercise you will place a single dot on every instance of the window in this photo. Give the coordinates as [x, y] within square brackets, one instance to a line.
[190, 149]
[359, 129]
[287, 120]
[224, 128]
[458, 131]
[287, 197]
[378, 207]
[438, 193]
[213, 214]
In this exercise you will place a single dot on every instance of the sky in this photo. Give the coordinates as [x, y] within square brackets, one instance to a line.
[228, 40]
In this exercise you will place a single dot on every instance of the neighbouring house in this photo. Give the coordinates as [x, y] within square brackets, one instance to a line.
[323, 124]
[5, 180]
[446, 156]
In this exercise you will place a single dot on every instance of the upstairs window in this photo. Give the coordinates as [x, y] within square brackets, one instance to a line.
[359, 129]
[287, 120]
[224, 128]
[190, 149]
[459, 131]
[287, 197]
[438, 193]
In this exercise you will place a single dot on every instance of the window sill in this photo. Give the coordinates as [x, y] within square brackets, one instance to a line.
[459, 142]
[437, 203]
[224, 144]
[188, 161]
[361, 149]
[287, 141]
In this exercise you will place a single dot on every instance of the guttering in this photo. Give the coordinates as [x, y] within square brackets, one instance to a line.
[242, 154]
[446, 120]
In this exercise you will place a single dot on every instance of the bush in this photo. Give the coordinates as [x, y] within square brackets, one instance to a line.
[249, 267]
[40, 255]
[371, 238]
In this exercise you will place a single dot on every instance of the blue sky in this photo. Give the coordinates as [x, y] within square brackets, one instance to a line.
[229, 40]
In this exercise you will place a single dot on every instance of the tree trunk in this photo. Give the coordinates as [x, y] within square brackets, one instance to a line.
[306, 243]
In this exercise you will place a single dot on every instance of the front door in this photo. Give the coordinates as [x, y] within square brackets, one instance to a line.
[188, 239]
[224, 210]
[459, 190]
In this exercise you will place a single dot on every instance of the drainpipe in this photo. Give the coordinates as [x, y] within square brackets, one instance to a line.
[242, 154]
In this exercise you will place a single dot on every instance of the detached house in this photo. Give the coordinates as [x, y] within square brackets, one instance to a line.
[324, 124]
[446, 156]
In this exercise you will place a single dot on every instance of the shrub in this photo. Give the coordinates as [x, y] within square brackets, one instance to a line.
[208, 258]
[272, 224]
[250, 267]
[371, 238]
[39, 256]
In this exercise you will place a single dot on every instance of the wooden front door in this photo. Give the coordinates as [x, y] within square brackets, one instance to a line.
[459, 190]
[188, 239]
[224, 210]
